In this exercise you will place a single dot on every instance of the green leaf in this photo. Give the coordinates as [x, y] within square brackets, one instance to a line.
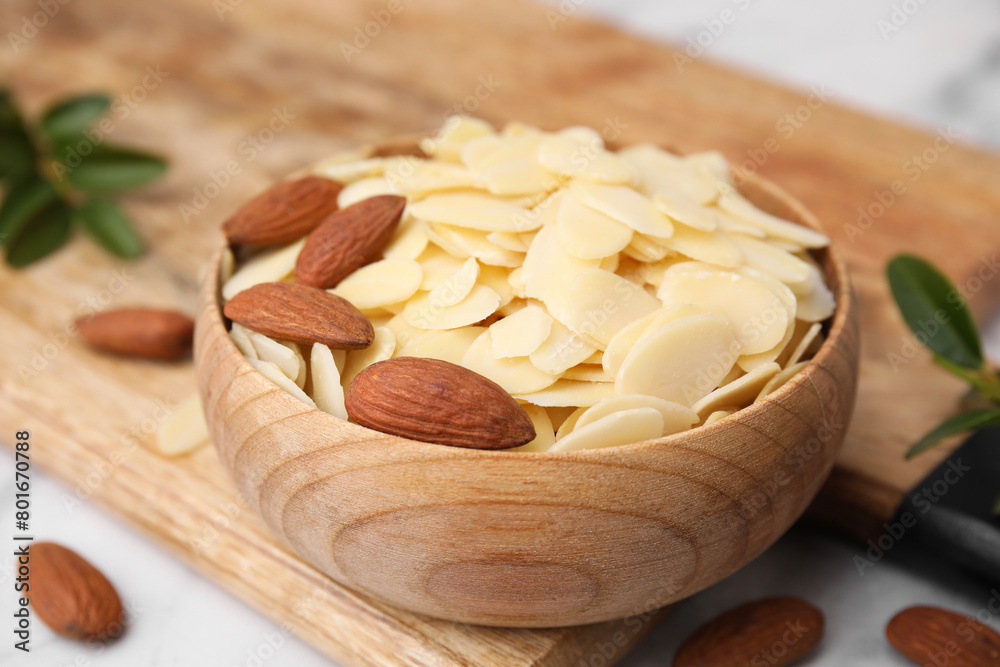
[970, 420]
[27, 197]
[983, 381]
[17, 153]
[110, 227]
[74, 115]
[71, 146]
[110, 168]
[46, 232]
[10, 117]
[935, 311]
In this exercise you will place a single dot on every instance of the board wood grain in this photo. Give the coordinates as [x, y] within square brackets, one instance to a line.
[239, 94]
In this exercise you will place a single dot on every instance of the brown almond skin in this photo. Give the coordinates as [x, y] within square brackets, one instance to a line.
[301, 314]
[437, 401]
[145, 333]
[773, 631]
[71, 596]
[930, 636]
[347, 240]
[283, 213]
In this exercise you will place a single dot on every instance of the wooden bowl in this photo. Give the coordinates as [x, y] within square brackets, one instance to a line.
[531, 540]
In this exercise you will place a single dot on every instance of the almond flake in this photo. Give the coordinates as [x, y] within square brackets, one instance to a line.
[473, 211]
[676, 417]
[363, 189]
[424, 313]
[589, 234]
[522, 333]
[545, 435]
[617, 428]
[603, 303]
[569, 392]
[268, 267]
[385, 282]
[382, 347]
[740, 392]
[575, 157]
[327, 390]
[759, 317]
[562, 350]
[625, 205]
[734, 203]
[516, 375]
[444, 345]
[682, 361]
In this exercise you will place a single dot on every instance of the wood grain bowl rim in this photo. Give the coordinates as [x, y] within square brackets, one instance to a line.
[836, 277]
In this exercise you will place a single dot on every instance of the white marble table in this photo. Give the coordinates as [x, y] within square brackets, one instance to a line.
[941, 67]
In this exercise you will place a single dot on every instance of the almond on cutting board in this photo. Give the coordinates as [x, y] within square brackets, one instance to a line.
[283, 213]
[437, 401]
[301, 314]
[934, 636]
[347, 240]
[774, 631]
[71, 596]
[146, 333]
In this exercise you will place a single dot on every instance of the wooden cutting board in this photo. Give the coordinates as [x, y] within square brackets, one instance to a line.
[238, 94]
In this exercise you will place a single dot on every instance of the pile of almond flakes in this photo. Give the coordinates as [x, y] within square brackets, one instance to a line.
[617, 296]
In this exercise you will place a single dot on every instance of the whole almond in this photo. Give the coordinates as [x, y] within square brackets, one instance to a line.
[70, 595]
[283, 213]
[301, 314]
[933, 636]
[347, 240]
[773, 632]
[437, 401]
[146, 333]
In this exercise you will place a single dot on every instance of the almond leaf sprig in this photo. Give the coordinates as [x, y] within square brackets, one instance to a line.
[925, 295]
[56, 175]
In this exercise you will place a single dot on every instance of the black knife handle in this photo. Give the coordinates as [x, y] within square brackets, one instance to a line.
[950, 511]
[958, 537]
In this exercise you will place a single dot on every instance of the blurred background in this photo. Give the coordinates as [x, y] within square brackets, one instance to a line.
[934, 65]
[922, 62]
